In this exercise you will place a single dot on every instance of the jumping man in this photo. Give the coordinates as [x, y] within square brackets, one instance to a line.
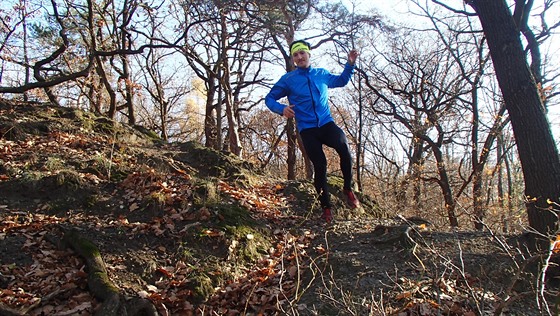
[307, 91]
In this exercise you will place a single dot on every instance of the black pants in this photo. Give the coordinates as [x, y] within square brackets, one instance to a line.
[313, 140]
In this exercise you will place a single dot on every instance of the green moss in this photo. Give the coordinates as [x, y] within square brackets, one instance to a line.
[54, 164]
[151, 134]
[104, 167]
[251, 243]
[217, 164]
[245, 231]
[234, 215]
[31, 179]
[157, 198]
[203, 287]
[206, 192]
[105, 281]
[241, 232]
[86, 119]
[118, 175]
[100, 165]
[104, 125]
[185, 253]
[69, 179]
[302, 197]
[336, 183]
[92, 200]
[84, 247]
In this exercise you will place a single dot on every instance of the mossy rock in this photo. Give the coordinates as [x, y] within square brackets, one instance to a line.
[12, 131]
[22, 131]
[104, 125]
[104, 168]
[64, 180]
[55, 193]
[85, 119]
[35, 120]
[148, 132]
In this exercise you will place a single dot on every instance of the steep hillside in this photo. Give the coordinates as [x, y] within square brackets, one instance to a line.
[178, 229]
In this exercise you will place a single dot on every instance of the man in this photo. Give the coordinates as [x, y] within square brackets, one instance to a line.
[307, 91]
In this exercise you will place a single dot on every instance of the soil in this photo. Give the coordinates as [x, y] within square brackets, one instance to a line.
[200, 232]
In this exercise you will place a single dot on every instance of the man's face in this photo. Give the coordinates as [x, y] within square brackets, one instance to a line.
[301, 59]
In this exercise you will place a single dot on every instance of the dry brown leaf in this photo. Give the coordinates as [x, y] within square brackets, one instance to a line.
[133, 207]
[403, 295]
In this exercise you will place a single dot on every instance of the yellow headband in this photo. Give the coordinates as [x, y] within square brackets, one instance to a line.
[299, 47]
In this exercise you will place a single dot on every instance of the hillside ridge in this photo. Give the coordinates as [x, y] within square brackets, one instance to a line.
[195, 231]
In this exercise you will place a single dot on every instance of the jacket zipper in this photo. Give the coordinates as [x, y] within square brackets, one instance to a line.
[312, 100]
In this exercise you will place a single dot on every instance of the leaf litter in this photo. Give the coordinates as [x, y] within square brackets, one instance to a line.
[172, 237]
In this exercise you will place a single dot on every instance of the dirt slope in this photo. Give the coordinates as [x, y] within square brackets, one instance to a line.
[199, 232]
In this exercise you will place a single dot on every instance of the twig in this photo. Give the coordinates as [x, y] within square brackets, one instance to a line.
[249, 298]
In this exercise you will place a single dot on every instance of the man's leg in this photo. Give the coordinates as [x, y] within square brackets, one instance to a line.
[314, 150]
[333, 136]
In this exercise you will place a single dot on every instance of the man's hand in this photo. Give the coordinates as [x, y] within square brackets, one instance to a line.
[353, 56]
[288, 112]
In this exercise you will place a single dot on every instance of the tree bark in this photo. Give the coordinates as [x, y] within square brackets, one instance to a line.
[537, 150]
[445, 186]
[234, 141]
[210, 125]
[292, 139]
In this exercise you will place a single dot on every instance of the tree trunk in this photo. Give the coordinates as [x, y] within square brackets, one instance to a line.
[537, 150]
[291, 129]
[112, 111]
[291, 133]
[501, 196]
[234, 141]
[359, 142]
[129, 91]
[26, 56]
[445, 186]
[307, 162]
[210, 125]
[478, 168]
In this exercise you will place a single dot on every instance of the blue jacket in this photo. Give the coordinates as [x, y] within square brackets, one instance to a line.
[307, 90]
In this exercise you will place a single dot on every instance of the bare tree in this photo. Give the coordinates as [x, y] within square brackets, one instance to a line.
[471, 57]
[76, 38]
[167, 91]
[537, 150]
[216, 34]
[421, 88]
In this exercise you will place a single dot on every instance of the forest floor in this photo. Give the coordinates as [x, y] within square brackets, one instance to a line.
[198, 232]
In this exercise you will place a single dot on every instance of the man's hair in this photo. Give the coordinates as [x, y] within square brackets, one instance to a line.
[300, 41]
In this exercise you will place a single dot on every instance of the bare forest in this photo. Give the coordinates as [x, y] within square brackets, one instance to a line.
[451, 113]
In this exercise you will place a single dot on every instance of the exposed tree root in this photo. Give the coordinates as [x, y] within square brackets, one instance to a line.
[113, 303]
[9, 311]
